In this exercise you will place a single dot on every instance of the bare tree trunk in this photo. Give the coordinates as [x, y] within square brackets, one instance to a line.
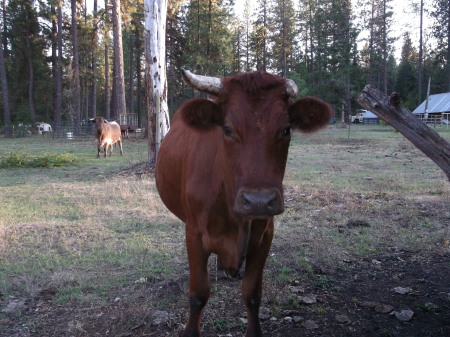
[265, 39]
[54, 39]
[107, 113]
[107, 88]
[58, 73]
[131, 72]
[139, 81]
[94, 65]
[3, 78]
[420, 70]
[76, 70]
[4, 39]
[385, 56]
[31, 107]
[423, 137]
[155, 43]
[119, 78]
[448, 47]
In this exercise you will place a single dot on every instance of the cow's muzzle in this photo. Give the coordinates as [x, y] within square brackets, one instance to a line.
[259, 202]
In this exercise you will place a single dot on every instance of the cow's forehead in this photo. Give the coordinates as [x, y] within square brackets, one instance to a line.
[268, 108]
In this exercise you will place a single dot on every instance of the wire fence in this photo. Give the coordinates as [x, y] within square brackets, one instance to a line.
[64, 130]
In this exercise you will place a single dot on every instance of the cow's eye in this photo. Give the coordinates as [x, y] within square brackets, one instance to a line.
[287, 131]
[227, 131]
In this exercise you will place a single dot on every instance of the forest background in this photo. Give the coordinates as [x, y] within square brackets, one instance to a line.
[331, 48]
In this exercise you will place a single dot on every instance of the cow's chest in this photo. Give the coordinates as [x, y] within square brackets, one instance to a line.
[231, 240]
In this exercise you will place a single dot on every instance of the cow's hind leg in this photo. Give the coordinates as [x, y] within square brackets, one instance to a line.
[199, 288]
[120, 145]
[252, 282]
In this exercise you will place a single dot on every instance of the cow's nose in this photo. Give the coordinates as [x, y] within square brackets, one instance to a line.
[255, 203]
[263, 201]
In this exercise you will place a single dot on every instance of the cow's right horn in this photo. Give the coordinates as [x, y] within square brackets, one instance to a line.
[208, 84]
[291, 88]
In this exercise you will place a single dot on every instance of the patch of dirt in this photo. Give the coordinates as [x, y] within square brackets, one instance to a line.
[139, 170]
[356, 300]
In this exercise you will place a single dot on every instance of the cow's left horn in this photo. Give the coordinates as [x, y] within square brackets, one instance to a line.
[208, 84]
[291, 88]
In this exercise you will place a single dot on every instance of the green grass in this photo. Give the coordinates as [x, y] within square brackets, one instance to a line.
[88, 231]
[23, 159]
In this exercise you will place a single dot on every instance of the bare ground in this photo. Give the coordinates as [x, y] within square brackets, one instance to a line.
[356, 301]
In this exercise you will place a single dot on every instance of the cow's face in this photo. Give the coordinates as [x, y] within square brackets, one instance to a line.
[254, 132]
[98, 121]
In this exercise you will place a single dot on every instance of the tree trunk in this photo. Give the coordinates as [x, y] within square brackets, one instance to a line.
[54, 39]
[139, 81]
[3, 78]
[265, 39]
[119, 78]
[423, 137]
[385, 56]
[448, 47]
[131, 73]
[107, 87]
[155, 43]
[420, 69]
[31, 107]
[76, 71]
[4, 39]
[94, 65]
[58, 73]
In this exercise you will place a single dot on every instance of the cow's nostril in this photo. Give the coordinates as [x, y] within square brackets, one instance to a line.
[259, 201]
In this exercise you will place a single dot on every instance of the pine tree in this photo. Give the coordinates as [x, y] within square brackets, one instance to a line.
[380, 45]
[27, 57]
[260, 36]
[407, 74]
[207, 37]
[283, 33]
[441, 32]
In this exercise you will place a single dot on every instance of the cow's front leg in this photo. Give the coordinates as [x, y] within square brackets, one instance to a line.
[199, 288]
[258, 249]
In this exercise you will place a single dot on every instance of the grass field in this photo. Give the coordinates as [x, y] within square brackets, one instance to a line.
[93, 238]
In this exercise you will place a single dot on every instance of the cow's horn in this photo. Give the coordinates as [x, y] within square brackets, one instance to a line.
[291, 88]
[208, 84]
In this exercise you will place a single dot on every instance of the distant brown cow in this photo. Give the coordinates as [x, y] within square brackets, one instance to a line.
[107, 134]
[220, 170]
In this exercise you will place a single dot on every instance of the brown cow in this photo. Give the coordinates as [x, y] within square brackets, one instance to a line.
[220, 170]
[107, 134]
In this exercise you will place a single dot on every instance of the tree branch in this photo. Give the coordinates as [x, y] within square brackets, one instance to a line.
[392, 111]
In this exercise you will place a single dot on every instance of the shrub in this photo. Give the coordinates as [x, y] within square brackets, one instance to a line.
[23, 159]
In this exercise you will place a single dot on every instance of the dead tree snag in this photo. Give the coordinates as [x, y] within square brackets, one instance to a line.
[393, 112]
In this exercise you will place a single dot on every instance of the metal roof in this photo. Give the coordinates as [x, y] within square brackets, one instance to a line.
[369, 114]
[437, 103]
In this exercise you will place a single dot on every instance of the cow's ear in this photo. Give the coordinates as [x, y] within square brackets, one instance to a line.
[202, 113]
[309, 114]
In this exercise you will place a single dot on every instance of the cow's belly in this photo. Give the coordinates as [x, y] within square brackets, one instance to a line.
[107, 141]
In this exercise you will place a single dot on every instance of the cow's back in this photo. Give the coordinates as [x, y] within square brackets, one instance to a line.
[187, 172]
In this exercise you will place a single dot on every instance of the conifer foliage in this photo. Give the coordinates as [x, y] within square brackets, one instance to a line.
[331, 48]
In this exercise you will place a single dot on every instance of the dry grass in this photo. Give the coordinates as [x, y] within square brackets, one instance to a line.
[90, 233]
